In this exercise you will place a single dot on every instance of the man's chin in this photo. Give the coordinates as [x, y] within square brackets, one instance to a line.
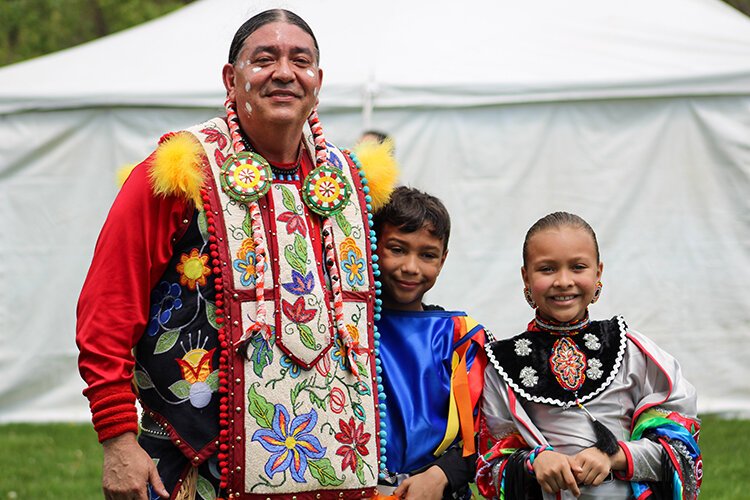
[284, 116]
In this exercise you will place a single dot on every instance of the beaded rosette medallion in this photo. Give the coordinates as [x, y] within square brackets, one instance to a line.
[298, 419]
[247, 176]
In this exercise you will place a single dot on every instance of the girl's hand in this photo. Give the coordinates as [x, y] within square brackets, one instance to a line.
[596, 465]
[555, 471]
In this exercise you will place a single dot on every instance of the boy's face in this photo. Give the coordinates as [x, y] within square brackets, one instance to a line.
[409, 265]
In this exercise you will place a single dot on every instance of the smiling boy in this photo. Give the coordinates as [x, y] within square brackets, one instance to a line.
[433, 360]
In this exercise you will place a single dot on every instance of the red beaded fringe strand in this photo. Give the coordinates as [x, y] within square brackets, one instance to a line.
[223, 341]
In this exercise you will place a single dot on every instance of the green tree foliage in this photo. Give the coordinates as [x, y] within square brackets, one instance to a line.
[741, 5]
[30, 28]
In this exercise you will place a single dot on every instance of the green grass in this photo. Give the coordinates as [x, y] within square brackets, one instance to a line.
[725, 445]
[50, 461]
[63, 461]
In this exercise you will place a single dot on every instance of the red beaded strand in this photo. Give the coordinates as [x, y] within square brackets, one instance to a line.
[321, 158]
[223, 344]
[260, 325]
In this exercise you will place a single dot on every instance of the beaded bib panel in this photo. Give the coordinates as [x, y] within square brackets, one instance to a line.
[559, 368]
[299, 422]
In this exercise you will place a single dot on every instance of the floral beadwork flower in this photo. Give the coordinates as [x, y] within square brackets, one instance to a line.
[349, 244]
[353, 332]
[354, 268]
[522, 347]
[336, 400]
[592, 342]
[529, 377]
[300, 285]
[291, 444]
[193, 269]
[594, 371]
[568, 364]
[296, 312]
[353, 264]
[354, 440]
[245, 265]
[293, 369]
[338, 354]
[214, 135]
[164, 299]
[294, 222]
[334, 160]
[247, 246]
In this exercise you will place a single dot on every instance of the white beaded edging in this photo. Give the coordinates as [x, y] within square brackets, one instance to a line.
[557, 402]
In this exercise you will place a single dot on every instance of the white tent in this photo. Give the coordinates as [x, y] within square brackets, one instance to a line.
[635, 115]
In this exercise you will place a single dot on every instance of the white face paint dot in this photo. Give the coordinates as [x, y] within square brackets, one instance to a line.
[247, 87]
[242, 64]
[315, 91]
[256, 69]
[248, 107]
[310, 73]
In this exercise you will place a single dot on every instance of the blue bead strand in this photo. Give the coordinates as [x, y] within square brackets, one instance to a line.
[383, 434]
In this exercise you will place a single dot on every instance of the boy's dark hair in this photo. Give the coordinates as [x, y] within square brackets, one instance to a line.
[410, 210]
[381, 137]
[557, 220]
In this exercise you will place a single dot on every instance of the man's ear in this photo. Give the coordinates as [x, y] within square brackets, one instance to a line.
[320, 85]
[227, 76]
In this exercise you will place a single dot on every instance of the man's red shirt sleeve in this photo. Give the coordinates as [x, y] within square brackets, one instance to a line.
[132, 252]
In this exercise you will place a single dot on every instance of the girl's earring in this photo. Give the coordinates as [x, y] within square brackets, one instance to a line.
[597, 292]
[529, 298]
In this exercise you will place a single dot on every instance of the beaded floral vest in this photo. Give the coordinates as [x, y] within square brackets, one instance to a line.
[177, 358]
[295, 418]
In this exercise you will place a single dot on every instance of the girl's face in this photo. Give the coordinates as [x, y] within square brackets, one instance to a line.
[561, 272]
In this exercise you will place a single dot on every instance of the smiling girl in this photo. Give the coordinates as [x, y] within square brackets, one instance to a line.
[580, 408]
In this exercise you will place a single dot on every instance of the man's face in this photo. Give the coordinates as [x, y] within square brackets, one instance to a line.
[275, 79]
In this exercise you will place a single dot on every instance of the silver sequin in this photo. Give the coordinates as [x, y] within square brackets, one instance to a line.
[594, 372]
[528, 376]
[522, 347]
[592, 342]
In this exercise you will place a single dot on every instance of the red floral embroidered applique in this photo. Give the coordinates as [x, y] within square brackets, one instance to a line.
[297, 312]
[354, 440]
[568, 364]
[220, 158]
[294, 222]
[214, 135]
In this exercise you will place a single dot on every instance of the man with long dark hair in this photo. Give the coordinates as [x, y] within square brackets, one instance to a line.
[232, 292]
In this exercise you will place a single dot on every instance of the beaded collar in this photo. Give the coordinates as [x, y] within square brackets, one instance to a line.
[563, 369]
[284, 171]
[286, 174]
[554, 327]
